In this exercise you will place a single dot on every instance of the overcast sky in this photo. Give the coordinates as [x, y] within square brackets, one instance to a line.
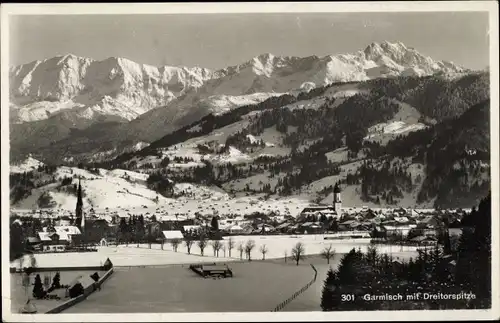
[220, 40]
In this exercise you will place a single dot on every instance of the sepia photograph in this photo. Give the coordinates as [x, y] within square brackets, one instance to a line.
[278, 161]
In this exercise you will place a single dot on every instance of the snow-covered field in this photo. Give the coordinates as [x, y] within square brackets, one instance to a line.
[403, 122]
[280, 245]
[313, 244]
[277, 246]
[120, 256]
[338, 155]
[255, 182]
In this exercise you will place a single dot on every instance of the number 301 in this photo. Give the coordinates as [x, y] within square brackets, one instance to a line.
[347, 297]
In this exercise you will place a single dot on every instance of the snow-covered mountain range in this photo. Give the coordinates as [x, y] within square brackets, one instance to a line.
[49, 99]
[115, 87]
[121, 88]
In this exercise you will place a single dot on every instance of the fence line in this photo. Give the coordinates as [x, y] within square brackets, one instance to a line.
[297, 293]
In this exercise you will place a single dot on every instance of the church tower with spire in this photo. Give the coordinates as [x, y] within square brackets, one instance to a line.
[80, 218]
[337, 200]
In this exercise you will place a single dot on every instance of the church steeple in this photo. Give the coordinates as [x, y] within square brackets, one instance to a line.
[80, 218]
[79, 201]
[337, 200]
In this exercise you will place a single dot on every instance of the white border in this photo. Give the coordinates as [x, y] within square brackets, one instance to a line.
[245, 7]
[203, 8]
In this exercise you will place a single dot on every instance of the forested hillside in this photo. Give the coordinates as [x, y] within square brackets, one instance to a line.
[435, 147]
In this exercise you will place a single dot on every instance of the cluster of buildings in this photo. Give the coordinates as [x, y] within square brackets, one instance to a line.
[418, 225]
[421, 226]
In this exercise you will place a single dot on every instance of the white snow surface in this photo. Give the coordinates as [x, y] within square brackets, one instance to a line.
[26, 165]
[278, 247]
[125, 192]
[120, 256]
[153, 97]
[233, 156]
[313, 245]
[405, 121]
[219, 104]
[114, 86]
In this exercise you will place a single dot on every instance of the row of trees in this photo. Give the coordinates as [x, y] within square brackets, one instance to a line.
[244, 248]
[133, 230]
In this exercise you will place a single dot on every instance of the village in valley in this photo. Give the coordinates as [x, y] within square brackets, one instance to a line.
[210, 242]
[53, 230]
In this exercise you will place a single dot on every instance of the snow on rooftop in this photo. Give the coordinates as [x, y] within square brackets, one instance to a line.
[173, 234]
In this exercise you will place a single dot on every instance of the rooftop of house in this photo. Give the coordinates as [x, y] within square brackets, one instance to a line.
[172, 234]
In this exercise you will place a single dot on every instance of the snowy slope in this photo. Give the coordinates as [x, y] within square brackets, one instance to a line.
[219, 104]
[27, 165]
[403, 122]
[337, 92]
[122, 191]
[112, 189]
[112, 194]
[272, 139]
[115, 86]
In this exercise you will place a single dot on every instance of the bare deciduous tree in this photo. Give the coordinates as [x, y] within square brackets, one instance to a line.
[202, 243]
[230, 245]
[188, 241]
[298, 252]
[21, 263]
[175, 244]
[241, 249]
[328, 253]
[248, 249]
[263, 250]
[216, 246]
[33, 262]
